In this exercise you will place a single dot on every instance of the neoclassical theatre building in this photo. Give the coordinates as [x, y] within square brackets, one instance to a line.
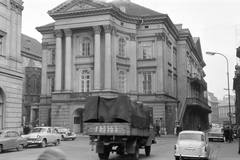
[99, 48]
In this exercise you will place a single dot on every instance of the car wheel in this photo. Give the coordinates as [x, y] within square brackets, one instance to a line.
[20, 147]
[57, 142]
[43, 144]
[73, 139]
[177, 158]
[1, 148]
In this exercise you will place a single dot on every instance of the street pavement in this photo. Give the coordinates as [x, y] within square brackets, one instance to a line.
[226, 151]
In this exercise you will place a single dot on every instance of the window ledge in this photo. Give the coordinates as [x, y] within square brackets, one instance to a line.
[150, 59]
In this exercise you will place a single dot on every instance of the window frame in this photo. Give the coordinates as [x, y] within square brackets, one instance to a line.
[147, 50]
[84, 84]
[122, 47]
[147, 85]
[122, 81]
[85, 44]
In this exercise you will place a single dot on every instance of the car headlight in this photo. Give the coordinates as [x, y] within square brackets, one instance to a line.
[38, 137]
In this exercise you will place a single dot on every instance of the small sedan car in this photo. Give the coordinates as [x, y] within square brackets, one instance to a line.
[10, 139]
[192, 144]
[216, 134]
[65, 133]
[42, 136]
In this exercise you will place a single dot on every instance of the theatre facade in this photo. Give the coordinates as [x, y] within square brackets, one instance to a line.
[119, 47]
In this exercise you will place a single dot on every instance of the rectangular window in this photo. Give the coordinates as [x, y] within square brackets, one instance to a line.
[147, 50]
[53, 55]
[52, 84]
[122, 81]
[1, 45]
[169, 54]
[147, 82]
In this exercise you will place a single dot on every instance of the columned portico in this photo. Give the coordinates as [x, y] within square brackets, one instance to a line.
[44, 68]
[97, 57]
[58, 67]
[108, 80]
[68, 58]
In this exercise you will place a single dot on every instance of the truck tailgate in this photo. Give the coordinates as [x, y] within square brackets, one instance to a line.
[114, 129]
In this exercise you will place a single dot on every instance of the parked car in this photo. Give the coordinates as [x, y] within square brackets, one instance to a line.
[42, 136]
[192, 144]
[10, 139]
[216, 134]
[65, 133]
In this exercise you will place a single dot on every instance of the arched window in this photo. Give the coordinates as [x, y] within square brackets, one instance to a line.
[84, 81]
[122, 81]
[122, 47]
[86, 42]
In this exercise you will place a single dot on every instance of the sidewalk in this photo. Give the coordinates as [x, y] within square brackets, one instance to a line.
[227, 151]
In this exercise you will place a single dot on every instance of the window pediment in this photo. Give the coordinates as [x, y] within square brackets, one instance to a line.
[81, 6]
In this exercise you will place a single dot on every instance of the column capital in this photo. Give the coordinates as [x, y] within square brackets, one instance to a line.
[58, 33]
[44, 45]
[97, 29]
[161, 36]
[133, 37]
[107, 28]
[68, 32]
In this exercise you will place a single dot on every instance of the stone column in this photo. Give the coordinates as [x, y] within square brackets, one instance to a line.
[44, 69]
[68, 58]
[107, 62]
[133, 67]
[58, 66]
[97, 57]
[160, 39]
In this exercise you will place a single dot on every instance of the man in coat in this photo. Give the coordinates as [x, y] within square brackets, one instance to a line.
[238, 135]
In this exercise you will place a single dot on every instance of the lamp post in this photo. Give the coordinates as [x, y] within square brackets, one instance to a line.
[229, 105]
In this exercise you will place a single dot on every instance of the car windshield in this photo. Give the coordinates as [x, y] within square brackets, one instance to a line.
[191, 136]
[37, 130]
[218, 130]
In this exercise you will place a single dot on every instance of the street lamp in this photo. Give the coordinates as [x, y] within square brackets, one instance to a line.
[229, 105]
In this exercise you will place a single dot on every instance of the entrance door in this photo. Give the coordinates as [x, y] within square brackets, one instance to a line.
[77, 120]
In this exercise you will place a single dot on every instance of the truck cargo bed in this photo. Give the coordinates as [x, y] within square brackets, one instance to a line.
[114, 129]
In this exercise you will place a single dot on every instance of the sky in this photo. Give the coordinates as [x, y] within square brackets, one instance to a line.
[215, 22]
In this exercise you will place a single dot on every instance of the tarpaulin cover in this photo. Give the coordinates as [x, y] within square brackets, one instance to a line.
[120, 109]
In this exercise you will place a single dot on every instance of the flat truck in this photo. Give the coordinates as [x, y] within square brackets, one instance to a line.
[118, 125]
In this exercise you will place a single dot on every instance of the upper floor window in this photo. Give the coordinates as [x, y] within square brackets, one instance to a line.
[147, 50]
[122, 47]
[84, 85]
[52, 84]
[169, 53]
[52, 56]
[122, 81]
[86, 45]
[147, 82]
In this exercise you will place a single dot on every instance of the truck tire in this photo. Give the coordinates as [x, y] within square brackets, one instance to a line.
[147, 150]
[135, 156]
[104, 155]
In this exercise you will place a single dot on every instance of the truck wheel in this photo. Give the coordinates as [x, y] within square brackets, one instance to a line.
[104, 155]
[147, 150]
[135, 156]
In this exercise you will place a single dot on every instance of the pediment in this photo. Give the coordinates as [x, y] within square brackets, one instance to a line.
[81, 6]
[77, 5]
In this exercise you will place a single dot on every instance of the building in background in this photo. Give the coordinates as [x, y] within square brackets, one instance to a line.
[223, 108]
[213, 102]
[11, 73]
[236, 84]
[31, 51]
[107, 49]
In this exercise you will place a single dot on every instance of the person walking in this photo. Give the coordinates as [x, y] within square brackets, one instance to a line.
[238, 135]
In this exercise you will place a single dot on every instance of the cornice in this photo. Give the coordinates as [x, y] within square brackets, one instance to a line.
[46, 29]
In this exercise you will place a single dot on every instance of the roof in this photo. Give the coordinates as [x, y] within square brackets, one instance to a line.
[192, 131]
[30, 46]
[133, 8]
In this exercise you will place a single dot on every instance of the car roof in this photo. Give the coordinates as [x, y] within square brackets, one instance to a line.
[192, 131]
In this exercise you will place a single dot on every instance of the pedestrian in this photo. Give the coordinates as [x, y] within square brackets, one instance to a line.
[199, 127]
[157, 129]
[52, 154]
[179, 129]
[238, 135]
